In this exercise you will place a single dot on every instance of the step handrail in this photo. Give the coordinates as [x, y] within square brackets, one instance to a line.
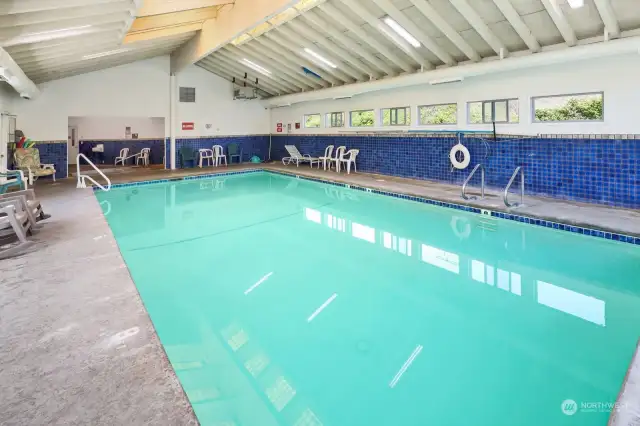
[506, 190]
[468, 179]
[82, 178]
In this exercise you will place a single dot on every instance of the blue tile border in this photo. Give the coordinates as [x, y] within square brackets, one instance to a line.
[635, 240]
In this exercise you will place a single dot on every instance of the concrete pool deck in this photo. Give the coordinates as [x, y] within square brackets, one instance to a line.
[79, 348]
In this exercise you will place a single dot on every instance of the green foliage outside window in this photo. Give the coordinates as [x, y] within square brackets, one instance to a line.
[570, 108]
[312, 120]
[439, 114]
[362, 118]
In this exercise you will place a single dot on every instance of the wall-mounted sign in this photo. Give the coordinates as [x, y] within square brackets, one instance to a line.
[297, 125]
[188, 125]
[279, 128]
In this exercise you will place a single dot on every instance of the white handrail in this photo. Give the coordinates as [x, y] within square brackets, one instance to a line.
[82, 178]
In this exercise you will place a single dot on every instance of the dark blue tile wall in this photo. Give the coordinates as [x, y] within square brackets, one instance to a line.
[251, 145]
[603, 171]
[54, 153]
[112, 149]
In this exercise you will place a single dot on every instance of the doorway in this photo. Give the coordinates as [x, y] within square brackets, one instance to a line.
[72, 145]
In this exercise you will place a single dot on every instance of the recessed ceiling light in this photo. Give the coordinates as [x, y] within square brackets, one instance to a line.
[401, 31]
[320, 58]
[253, 65]
[107, 53]
[575, 4]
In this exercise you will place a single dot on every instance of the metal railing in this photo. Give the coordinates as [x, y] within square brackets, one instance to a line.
[466, 182]
[82, 178]
[506, 190]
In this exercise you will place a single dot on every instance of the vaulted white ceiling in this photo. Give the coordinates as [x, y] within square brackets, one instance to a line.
[357, 45]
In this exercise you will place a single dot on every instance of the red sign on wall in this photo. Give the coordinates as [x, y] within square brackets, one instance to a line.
[188, 126]
[279, 128]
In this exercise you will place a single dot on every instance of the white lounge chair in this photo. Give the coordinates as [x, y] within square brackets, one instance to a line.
[295, 156]
[218, 154]
[338, 158]
[124, 152]
[28, 160]
[350, 158]
[14, 220]
[143, 156]
[328, 151]
[28, 199]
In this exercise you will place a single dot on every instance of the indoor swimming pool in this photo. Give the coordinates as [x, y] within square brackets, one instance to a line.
[281, 301]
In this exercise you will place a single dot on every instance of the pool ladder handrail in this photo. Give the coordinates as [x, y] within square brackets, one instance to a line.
[468, 179]
[82, 178]
[506, 190]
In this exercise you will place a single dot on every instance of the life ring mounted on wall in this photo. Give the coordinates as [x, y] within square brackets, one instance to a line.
[466, 157]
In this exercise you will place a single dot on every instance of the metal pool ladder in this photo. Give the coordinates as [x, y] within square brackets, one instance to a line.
[82, 178]
[468, 179]
[506, 190]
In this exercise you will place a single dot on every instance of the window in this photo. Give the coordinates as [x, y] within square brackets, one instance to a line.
[500, 111]
[438, 114]
[187, 94]
[578, 107]
[312, 120]
[335, 119]
[396, 116]
[361, 118]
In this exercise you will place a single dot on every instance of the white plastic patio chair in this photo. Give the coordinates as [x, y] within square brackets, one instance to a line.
[218, 155]
[350, 158]
[14, 220]
[338, 158]
[143, 156]
[328, 151]
[206, 154]
[295, 156]
[124, 152]
[27, 199]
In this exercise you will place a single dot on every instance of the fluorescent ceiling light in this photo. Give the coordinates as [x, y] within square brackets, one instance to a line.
[401, 31]
[107, 53]
[255, 66]
[575, 4]
[320, 58]
[446, 80]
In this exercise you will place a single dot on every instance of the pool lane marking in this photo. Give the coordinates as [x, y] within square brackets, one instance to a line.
[321, 308]
[260, 281]
[405, 366]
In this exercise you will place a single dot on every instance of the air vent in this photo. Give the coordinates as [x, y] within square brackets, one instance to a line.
[187, 94]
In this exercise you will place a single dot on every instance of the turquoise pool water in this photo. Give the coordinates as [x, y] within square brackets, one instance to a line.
[281, 301]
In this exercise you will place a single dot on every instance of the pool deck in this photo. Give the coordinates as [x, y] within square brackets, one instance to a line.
[79, 348]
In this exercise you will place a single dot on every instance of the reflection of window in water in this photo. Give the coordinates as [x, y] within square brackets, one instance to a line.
[401, 245]
[336, 223]
[280, 393]
[441, 259]
[508, 281]
[201, 395]
[257, 364]
[238, 340]
[363, 232]
[308, 418]
[573, 303]
[313, 215]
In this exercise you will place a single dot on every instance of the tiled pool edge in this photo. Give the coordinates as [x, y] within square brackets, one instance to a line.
[598, 233]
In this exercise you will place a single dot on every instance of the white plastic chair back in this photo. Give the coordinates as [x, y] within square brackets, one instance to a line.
[351, 154]
[124, 152]
[340, 152]
[328, 151]
[293, 151]
[218, 151]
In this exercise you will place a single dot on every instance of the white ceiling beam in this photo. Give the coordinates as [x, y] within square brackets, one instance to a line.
[518, 24]
[387, 32]
[65, 48]
[325, 26]
[210, 64]
[231, 62]
[35, 57]
[327, 74]
[66, 13]
[334, 13]
[431, 14]
[267, 48]
[343, 70]
[479, 25]
[27, 6]
[314, 35]
[106, 31]
[561, 22]
[234, 55]
[611, 24]
[230, 77]
[402, 19]
[276, 70]
[295, 76]
[231, 66]
[58, 29]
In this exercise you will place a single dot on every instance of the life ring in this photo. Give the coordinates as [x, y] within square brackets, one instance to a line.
[466, 233]
[460, 165]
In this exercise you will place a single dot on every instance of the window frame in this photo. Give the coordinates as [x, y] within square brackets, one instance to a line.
[437, 105]
[304, 120]
[391, 109]
[533, 107]
[493, 111]
[329, 120]
[362, 110]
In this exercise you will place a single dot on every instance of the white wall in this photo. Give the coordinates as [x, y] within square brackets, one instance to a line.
[140, 89]
[114, 127]
[617, 77]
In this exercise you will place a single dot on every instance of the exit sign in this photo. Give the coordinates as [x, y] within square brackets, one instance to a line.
[188, 126]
